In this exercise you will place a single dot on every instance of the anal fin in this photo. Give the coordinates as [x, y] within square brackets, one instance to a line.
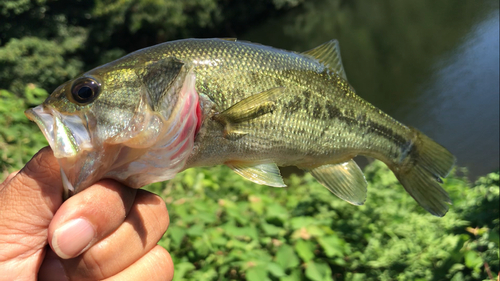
[267, 174]
[345, 180]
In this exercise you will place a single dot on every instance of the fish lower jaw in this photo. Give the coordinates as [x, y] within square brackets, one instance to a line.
[67, 135]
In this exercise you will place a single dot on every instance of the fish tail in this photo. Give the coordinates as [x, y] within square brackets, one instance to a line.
[421, 170]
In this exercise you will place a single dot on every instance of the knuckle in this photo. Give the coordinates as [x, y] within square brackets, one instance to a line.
[90, 267]
[43, 168]
[154, 205]
[159, 213]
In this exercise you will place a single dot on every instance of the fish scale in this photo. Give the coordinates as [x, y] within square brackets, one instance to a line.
[260, 108]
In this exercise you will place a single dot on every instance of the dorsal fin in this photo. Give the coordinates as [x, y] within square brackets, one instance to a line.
[329, 55]
[240, 41]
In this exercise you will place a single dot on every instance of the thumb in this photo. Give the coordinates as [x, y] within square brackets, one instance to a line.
[35, 192]
[28, 202]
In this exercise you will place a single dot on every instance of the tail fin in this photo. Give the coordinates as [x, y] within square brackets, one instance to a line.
[421, 171]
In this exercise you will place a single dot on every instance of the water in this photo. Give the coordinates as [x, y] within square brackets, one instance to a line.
[433, 65]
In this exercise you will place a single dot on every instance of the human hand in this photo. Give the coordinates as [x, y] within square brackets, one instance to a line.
[106, 231]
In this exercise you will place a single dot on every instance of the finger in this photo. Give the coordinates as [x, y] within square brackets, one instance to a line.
[52, 268]
[9, 177]
[89, 216]
[36, 190]
[28, 203]
[155, 265]
[143, 228]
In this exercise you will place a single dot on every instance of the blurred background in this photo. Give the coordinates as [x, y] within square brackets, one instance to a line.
[433, 65]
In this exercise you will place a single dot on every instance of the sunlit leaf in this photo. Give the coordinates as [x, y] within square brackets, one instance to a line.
[286, 257]
[257, 273]
[275, 269]
[318, 272]
[305, 250]
[332, 245]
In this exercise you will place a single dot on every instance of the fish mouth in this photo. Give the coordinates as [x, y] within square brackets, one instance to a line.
[70, 139]
[67, 134]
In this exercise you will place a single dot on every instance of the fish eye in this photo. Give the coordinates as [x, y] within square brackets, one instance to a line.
[85, 90]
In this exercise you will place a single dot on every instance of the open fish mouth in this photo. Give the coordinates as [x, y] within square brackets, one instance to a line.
[67, 134]
[69, 138]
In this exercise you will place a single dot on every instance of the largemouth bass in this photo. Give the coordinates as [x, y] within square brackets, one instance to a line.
[201, 102]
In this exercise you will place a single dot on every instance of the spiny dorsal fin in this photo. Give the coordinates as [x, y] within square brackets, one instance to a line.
[229, 39]
[157, 77]
[346, 180]
[329, 54]
[267, 174]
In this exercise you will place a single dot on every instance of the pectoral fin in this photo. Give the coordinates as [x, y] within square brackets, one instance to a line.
[267, 174]
[346, 180]
[245, 110]
[251, 107]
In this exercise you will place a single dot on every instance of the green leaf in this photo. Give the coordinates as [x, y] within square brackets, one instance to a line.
[315, 231]
[271, 230]
[473, 260]
[295, 275]
[181, 269]
[257, 273]
[286, 257]
[300, 222]
[332, 245]
[256, 204]
[177, 234]
[275, 269]
[494, 237]
[277, 211]
[318, 272]
[305, 250]
[196, 230]
[355, 276]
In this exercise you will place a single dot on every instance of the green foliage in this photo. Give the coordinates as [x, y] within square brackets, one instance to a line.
[35, 60]
[20, 139]
[224, 227]
[40, 42]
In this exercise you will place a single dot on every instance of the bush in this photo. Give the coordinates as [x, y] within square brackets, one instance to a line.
[20, 138]
[224, 227]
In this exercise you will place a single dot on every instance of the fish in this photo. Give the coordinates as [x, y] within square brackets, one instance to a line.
[188, 103]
